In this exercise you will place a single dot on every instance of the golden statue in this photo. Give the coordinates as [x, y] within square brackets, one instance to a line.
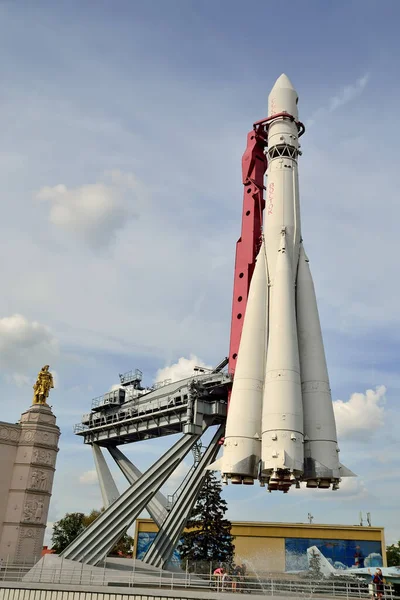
[43, 385]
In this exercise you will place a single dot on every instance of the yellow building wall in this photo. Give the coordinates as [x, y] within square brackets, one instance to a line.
[262, 545]
[260, 554]
[303, 530]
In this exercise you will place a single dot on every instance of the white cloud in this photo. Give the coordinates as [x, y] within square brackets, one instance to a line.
[89, 477]
[176, 478]
[181, 369]
[114, 387]
[125, 180]
[48, 533]
[361, 415]
[92, 212]
[348, 93]
[344, 96]
[24, 345]
[20, 380]
[350, 488]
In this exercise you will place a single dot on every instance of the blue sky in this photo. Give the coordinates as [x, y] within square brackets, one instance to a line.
[122, 129]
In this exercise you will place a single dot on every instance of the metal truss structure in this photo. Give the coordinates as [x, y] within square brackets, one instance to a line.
[130, 414]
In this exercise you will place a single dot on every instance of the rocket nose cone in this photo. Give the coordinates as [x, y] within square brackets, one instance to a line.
[283, 97]
[283, 82]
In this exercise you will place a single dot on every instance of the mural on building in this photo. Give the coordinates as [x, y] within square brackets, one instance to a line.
[342, 554]
[144, 542]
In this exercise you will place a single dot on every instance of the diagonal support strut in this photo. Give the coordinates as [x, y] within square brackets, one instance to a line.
[157, 507]
[94, 543]
[108, 488]
[162, 549]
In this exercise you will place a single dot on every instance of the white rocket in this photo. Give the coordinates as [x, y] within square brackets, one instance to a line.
[281, 427]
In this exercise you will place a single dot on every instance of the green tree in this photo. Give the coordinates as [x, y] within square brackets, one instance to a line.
[393, 555]
[68, 528]
[208, 534]
[124, 547]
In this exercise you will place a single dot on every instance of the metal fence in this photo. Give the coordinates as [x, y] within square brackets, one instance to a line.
[80, 574]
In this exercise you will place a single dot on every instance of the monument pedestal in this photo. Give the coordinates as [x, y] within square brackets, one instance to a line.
[24, 523]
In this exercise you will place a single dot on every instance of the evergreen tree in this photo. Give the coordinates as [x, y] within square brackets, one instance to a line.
[315, 565]
[208, 538]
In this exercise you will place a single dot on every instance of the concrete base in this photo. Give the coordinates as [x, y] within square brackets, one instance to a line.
[124, 579]
[20, 591]
[115, 571]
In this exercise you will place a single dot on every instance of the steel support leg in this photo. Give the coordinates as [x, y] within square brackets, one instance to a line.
[95, 542]
[162, 549]
[157, 507]
[109, 490]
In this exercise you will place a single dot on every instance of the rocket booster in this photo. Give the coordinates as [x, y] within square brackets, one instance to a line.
[242, 442]
[280, 426]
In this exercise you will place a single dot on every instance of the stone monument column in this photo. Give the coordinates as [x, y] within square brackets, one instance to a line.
[31, 486]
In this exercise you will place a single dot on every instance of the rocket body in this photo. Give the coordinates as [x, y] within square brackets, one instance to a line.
[282, 417]
[280, 424]
[282, 207]
[242, 442]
